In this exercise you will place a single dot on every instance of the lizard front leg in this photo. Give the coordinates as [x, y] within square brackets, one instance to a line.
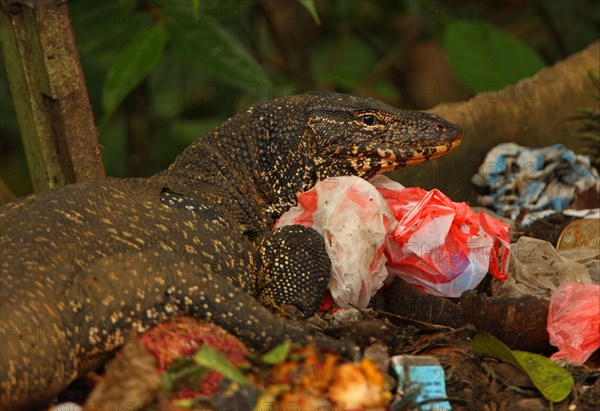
[293, 268]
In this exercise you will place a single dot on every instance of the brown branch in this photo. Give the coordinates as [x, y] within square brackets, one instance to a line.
[49, 93]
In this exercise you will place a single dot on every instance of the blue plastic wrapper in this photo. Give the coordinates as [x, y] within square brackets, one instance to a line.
[425, 375]
[533, 179]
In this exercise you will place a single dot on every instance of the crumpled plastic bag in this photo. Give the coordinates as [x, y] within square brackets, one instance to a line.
[439, 245]
[574, 321]
[354, 219]
[379, 227]
[589, 257]
[537, 268]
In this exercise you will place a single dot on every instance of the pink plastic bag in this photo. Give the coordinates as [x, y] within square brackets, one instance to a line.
[574, 321]
[380, 229]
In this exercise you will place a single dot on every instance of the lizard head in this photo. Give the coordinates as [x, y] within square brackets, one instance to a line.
[362, 136]
[297, 140]
[282, 147]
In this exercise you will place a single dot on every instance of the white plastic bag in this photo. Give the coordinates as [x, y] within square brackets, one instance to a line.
[354, 219]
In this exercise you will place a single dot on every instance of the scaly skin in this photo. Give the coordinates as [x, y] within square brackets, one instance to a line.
[86, 266]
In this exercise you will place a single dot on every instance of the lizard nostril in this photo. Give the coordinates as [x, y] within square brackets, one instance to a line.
[440, 128]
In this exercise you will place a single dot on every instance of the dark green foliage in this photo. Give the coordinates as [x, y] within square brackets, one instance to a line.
[214, 49]
[132, 66]
[190, 64]
[487, 59]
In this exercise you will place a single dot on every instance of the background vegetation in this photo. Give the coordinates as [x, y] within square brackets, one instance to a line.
[161, 73]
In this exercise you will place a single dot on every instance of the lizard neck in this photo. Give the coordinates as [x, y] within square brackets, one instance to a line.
[250, 159]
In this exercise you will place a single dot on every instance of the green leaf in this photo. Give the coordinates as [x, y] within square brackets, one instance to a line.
[210, 358]
[196, 7]
[106, 28]
[310, 6]
[486, 58]
[132, 66]
[213, 48]
[277, 354]
[188, 377]
[554, 382]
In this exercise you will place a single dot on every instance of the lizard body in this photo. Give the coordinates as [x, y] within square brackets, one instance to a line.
[84, 267]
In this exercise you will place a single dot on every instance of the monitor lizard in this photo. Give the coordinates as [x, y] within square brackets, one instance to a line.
[85, 267]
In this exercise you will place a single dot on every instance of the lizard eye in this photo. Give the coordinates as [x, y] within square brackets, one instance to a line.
[369, 119]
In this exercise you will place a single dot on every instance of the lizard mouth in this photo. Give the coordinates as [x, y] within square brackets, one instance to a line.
[420, 156]
[374, 160]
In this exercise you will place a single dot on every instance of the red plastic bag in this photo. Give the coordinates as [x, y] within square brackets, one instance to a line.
[439, 245]
[380, 229]
[574, 321]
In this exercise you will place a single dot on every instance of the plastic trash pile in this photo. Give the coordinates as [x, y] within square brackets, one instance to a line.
[520, 178]
[377, 230]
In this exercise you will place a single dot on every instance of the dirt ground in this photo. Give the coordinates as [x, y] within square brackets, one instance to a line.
[405, 321]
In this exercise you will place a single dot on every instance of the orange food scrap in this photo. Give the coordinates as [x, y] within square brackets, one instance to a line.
[357, 386]
[325, 381]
